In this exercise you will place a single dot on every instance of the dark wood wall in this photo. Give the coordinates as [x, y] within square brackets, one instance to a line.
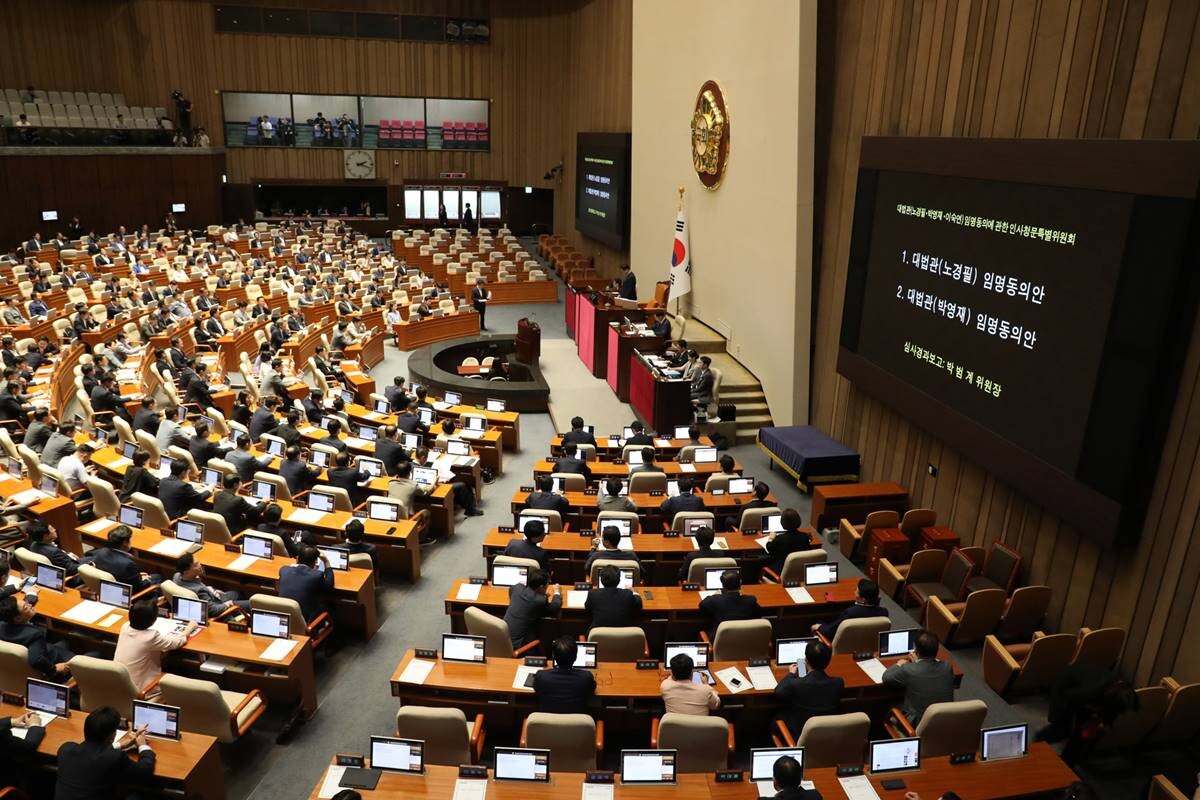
[1006, 68]
[107, 191]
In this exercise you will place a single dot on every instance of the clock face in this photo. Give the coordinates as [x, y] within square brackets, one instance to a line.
[359, 164]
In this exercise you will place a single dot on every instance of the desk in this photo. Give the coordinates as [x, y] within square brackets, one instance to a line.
[368, 351]
[57, 511]
[592, 317]
[622, 344]
[661, 404]
[360, 382]
[192, 764]
[509, 422]
[411, 335]
[303, 349]
[853, 501]
[609, 447]
[232, 345]
[602, 470]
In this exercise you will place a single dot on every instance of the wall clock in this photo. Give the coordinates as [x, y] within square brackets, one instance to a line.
[359, 164]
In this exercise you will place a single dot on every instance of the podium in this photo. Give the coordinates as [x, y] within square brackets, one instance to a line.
[528, 341]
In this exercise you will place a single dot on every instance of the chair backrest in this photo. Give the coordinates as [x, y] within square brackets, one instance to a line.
[182, 453]
[618, 644]
[752, 517]
[155, 515]
[1131, 727]
[514, 561]
[698, 566]
[957, 571]
[586, 452]
[945, 726]
[833, 739]
[742, 640]
[444, 731]
[1047, 656]
[14, 668]
[215, 528]
[1024, 613]
[1002, 565]
[281, 488]
[103, 682]
[678, 522]
[979, 616]
[124, 432]
[106, 501]
[493, 628]
[634, 520]
[642, 482]
[793, 565]
[29, 560]
[859, 635]
[202, 707]
[570, 738]
[1100, 647]
[926, 565]
[1181, 722]
[915, 519]
[172, 589]
[283, 605]
[554, 520]
[571, 481]
[33, 464]
[702, 742]
[92, 576]
[601, 563]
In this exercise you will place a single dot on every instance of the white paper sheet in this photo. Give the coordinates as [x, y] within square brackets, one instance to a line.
[874, 669]
[308, 429]
[706, 593]
[98, 526]
[719, 543]
[441, 405]
[4, 476]
[468, 591]
[27, 497]
[762, 541]
[762, 678]
[119, 463]
[858, 788]
[242, 562]
[662, 442]
[523, 673]
[278, 650]
[626, 543]
[43, 720]
[215, 665]
[417, 671]
[354, 441]
[170, 547]
[728, 675]
[687, 467]
[597, 791]
[799, 594]
[87, 611]
[110, 620]
[13, 580]
[576, 598]
[330, 786]
[167, 626]
[470, 789]
[305, 516]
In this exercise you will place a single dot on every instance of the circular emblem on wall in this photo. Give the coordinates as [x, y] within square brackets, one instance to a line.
[710, 135]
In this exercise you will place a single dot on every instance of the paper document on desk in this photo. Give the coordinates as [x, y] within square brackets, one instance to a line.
[687, 467]
[4, 476]
[13, 580]
[170, 547]
[874, 669]
[523, 675]
[98, 526]
[468, 591]
[43, 719]
[707, 593]
[308, 430]
[375, 415]
[597, 791]
[168, 626]
[242, 563]
[27, 497]
[331, 785]
[354, 441]
[417, 671]
[733, 679]
[110, 620]
[305, 516]
[626, 543]
[278, 650]
[87, 611]
[469, 434]
[762, 678]
[442, 405]
[762, 541]
[858, 788]
[799, 594]
[662, 442]
[576, 598]
[120, 462]
[470, 789]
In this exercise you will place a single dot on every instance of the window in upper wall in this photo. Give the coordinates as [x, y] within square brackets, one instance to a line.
[412, 203]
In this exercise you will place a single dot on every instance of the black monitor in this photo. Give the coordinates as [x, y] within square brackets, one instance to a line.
[697, 651]
[258, 546]
[115, 593]
[189, 610]
[51, 577]
[791, 651]
[1007, 741]
[509, 574]
[47, 697]
[270, 623]
[130, 515]
[823, 574]
[896, 643]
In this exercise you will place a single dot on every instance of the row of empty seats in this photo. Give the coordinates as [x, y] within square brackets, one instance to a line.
[72, 115]
[464, 135]
[54, 96]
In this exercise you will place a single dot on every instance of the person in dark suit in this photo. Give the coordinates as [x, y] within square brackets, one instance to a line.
[288, 430]
[409, 422]
[313, 410]
[264, 420]
[571, 463]
[147, 418]
[610, 605]
[687, 500]
[479, 299]
[564, 688]
[761, 492]
[346, 475]
[648, 464]
[139, 478]
[11, 407]
[662, 327]
[730, 604]
[175, 352]
[34, 358]
[355, 543]
[94, 769]
[816, 693]
[300, 477]
[179, 497]
[389, 450]
[16, 751]
[788, 774]
[546, 500]
[39, 430]
[527, 603]
[202, 448]
[790, 540]
[704, 538]
[628, 290]
[639, 434]
[925, 678]
[236, 510]
[396, 396]
[866, 604]
[49, 659]
[198, 390]
[609, 548]
[530, 546]
[114, 557]
[701, 389]
[577, 435]
[307, 585]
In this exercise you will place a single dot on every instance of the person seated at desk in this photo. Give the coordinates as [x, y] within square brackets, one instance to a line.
[140, 646]
[610, 605]
[404, 489]
[866, 604]
[648, 464]
[790, 540]
[263, 420]
[189, 573]
[761, 492]
[198, 390]
[701, 389]
[389, 450]
[114, 557]
[18, 751]
[355, 544]
[300, 477]
[464, 494]
[48, 659]
[610, 549]
[704, 537]
[345, 474]
[397, 398]
[11, 406]
[76, 467]
[306, 584]
[139, 478]
[685, 692]
[314, 412]
[661, 327]
[94, 768]
[611, 498]
[178, 496]
[236, 510]
[639, 434]
[527, 603]
[243, 460]
[147, 418]
[202, 449]
[925, 678]
[12, 314]
[43, 540]
[814, 694]
[39, 430]
[34, 358]
[334, 439]
[577, 435]
[571, 463]
[545, 499]
[788, 775]
[530, 546]
[564, 688]
[686, 500]
[288, 430]
[7, 589]
[676, 353]
[422, 401]
[730, 604]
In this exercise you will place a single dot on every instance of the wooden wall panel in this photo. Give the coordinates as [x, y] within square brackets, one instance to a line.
[1077, 68]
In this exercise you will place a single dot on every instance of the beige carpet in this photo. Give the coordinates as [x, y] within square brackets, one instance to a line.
[573, 391]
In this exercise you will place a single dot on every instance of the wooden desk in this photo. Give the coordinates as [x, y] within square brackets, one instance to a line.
[661, 404]
[368, 351]
[853, 501]
[522, 292]
[621, 346]
[509, 422]
[361, 383]
[192, 764]
[57, 511]
[602, 470]
[301, 350]
[232, 345]
[411, 335]
[609, 447]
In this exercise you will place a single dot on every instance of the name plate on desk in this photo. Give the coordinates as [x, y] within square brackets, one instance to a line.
[591, 492]
[350, 760]
[12, 699]
[670, 534]
[759, 662]
[962, 758]
[472, 771]
[583, 586]
[238, 627]
[599, 776]
[167, 533]
[792, 584]
[88, 595]
[691, 587]
[423, 652]
[729, 776]
[233, 548]
[478, 580]
[849, 770]
[506, 529]
[657, 492]
[588, 532]
[535, 661]
[647, 663]
[525, 489]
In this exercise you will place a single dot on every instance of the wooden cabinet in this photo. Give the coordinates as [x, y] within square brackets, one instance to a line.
[889, 543]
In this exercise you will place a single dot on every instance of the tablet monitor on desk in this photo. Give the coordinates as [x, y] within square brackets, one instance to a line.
[397, 755]
[276, 447]
[189, 531]
[822, 574]
[426, 476]
[130, 515]
[704, 455]
[49, 485]
[258, 546]
[682, 432]
[741, 485]
[772, 523]
[383, 407]
[697, 651]
[188, 610]
[494, 405]
[318, 458]
[128, 450]
[51, 577]
[14, 468]
[762, 761]
[622, 525]
[324, 423]
[115, 593]
[624, 489]
[476, 424]
[453, 398]
[894, 755]
[270, 623]
[51, 698]
[411, 441]
[509, 574]
[209, 421]
[347, 396]
[367, 433]
[526, 518]
[339, 557]
[460, 647]
[791, 651]
[383, 512]
[320, 501]
[158, 720]
[264, 491]
[693, 525]
[211, 477]
[634, 457]
[425, 415]
[1009, 741]
[712, 577]
[522, 764]
[648, 766]
[585, 655]
[457, 447]
[371, 466]
[896, 643]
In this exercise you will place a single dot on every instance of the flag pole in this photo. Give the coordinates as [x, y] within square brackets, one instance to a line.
[678, 208]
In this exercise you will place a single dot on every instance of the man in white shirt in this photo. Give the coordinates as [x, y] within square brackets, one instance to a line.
[74, 466]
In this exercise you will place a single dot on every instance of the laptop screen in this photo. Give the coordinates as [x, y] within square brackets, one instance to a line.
[318, 458]
[258, 546]
[697, 651]
[49, 577]
[821, 574]
[426, 476]
[772, 523]
[627, 432]
[681, 432]
[494, 405]
[14, 468]
[896, 643]
[635, 457]
[113, 593]
[425, 415]
[411, 441]
[476, 424]
[622, 525]
[49, 484]
[509, 574]
[189, 531]
[457, 447]
[383, 512]
[791, 651]
[691, 526]
[762, 760]
[51, 698]
[189, 610]
[339, 557]
[704, 455]
[1008, 741]
[347, 396]
[648, 766]
[264, 491]
[458, 647]
[627, 580]
[368, 434]
[397, 755]
[585, 655]
[382, 407]
[211, 477]
[521, 764]
[131, 516]
[128, 449]
[453, 398]
[158, 720]
[892, 755]
[269, 623]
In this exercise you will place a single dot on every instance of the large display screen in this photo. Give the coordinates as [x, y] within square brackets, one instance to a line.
[1033, 318]
[602, 187]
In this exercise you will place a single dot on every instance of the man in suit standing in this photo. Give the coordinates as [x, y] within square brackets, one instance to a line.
[305, 583]
[730, 604]
[236, 510]
[179, 497]
[925, 678]
[610, 605]
[571, 463]
[564, 688]
[628, 290]
[114, 557]
[544, 499]
[816, 693]
[577, 435]
[94, 768]
[479, 298]
[527, 603]
[530, 546]
[866, 604]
